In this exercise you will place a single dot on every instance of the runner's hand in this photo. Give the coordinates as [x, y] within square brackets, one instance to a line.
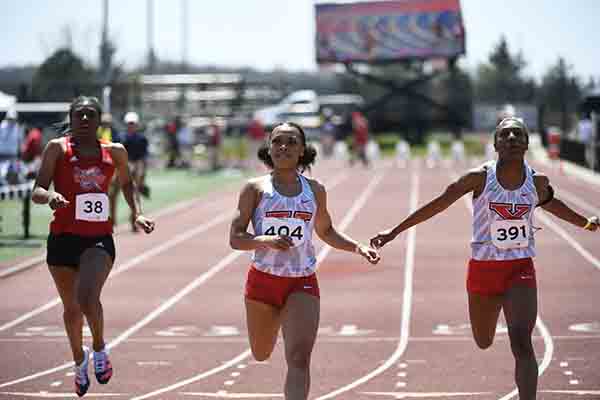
[57, 200]
[593, 224]
[382, 238]
[145, 223]
[369, 253]
[276, 242]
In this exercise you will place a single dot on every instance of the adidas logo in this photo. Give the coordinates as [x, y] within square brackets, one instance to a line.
[99, 244]
[73, 159]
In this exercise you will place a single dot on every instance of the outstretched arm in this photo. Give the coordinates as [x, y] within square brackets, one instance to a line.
[558, 208]
[471, 181]
[330, 235]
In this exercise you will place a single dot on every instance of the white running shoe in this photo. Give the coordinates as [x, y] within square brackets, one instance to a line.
[82, 382]
[102, 366]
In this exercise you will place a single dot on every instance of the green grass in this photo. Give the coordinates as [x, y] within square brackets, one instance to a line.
[167, 186]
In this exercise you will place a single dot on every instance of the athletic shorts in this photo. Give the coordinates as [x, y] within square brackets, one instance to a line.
[495, 277]
[65, 249]
[275, 290]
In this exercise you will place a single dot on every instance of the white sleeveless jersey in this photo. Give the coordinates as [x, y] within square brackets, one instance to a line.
[291, 216]
[503, 219]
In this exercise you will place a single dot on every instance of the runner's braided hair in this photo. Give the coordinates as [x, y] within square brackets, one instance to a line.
[306, 159]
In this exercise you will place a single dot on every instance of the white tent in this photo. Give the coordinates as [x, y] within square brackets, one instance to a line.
[7, 101]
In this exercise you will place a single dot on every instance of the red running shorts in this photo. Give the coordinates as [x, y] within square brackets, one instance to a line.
[495, 277]
[275, 290]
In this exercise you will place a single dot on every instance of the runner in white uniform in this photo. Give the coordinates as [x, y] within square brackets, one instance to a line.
[282, 288]
[501, 273]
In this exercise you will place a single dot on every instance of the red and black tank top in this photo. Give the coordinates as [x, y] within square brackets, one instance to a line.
[84, 182]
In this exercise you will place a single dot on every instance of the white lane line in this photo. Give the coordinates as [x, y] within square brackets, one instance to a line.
[406, 301]
[356, 207]
[343, 225]
[573, 392]
[548, 342]
[128, 265]
[48, 395]
[569, 239]
[424, 395]
[576, 200]
[226, 395]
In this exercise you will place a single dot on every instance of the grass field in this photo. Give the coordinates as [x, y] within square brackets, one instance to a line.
[168, 187]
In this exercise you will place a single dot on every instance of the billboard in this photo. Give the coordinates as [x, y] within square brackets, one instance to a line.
[388, 31]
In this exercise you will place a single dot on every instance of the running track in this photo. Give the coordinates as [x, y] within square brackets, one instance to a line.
[399, 330]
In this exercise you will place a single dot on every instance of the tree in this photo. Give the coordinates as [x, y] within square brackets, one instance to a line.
[61, 77]
[501, 80]
[560, 92]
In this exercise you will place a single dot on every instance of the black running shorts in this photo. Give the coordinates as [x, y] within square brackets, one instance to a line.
[66, 248]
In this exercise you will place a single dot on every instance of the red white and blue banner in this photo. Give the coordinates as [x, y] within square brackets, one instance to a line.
[387, 31]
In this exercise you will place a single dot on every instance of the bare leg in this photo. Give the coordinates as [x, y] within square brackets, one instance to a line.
[94, 267]
[520, 311]
[65, 279]
[300, 324]
[263, 321]
[484, 312]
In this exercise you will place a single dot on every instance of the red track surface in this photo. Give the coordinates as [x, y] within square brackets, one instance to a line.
[399, 330]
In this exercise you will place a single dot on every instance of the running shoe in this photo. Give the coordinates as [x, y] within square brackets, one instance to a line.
[82, 382]
[102, 366]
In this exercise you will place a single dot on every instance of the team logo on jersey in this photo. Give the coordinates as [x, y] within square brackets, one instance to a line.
[88, 179]
[303, 215]
[510, 210]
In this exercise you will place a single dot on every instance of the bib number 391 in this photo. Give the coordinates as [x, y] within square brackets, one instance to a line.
[91, 207]
[510, 234]
[292, 227]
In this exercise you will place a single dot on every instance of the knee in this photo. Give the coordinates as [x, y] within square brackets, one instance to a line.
[520, 343]
[88, 303]
[484, 342]
[71, 312]
[299, 356]
[261, 355]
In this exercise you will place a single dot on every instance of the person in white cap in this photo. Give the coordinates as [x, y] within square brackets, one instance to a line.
[11, 136]
[136, 145]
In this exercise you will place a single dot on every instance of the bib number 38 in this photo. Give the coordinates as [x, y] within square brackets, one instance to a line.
[292, 227]
[91, 207]
[510, 234]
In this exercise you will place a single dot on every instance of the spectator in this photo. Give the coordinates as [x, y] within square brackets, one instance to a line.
[360, 137]
[31, 151]
[11, 136]
[256, 137]
[136, 145]
[585, 135]
[172, 143]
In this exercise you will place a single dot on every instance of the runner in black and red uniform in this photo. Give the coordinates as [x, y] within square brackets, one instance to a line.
[81, 250]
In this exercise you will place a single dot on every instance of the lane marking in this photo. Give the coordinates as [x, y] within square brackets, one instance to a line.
[224, 395]
[423, 395]
[406, 301]
[47, 395]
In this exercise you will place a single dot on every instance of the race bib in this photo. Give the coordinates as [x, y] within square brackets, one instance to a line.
[91, 207]
[292, 227]
[510, 234]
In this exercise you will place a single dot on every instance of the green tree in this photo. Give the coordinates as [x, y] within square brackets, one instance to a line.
[501, 80]
[61, 77]
[560, 92]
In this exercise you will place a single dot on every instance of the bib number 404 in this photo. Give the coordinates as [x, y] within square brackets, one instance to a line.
[292, 227]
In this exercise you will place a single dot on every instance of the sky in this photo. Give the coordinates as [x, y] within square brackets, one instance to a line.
[268, 34]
